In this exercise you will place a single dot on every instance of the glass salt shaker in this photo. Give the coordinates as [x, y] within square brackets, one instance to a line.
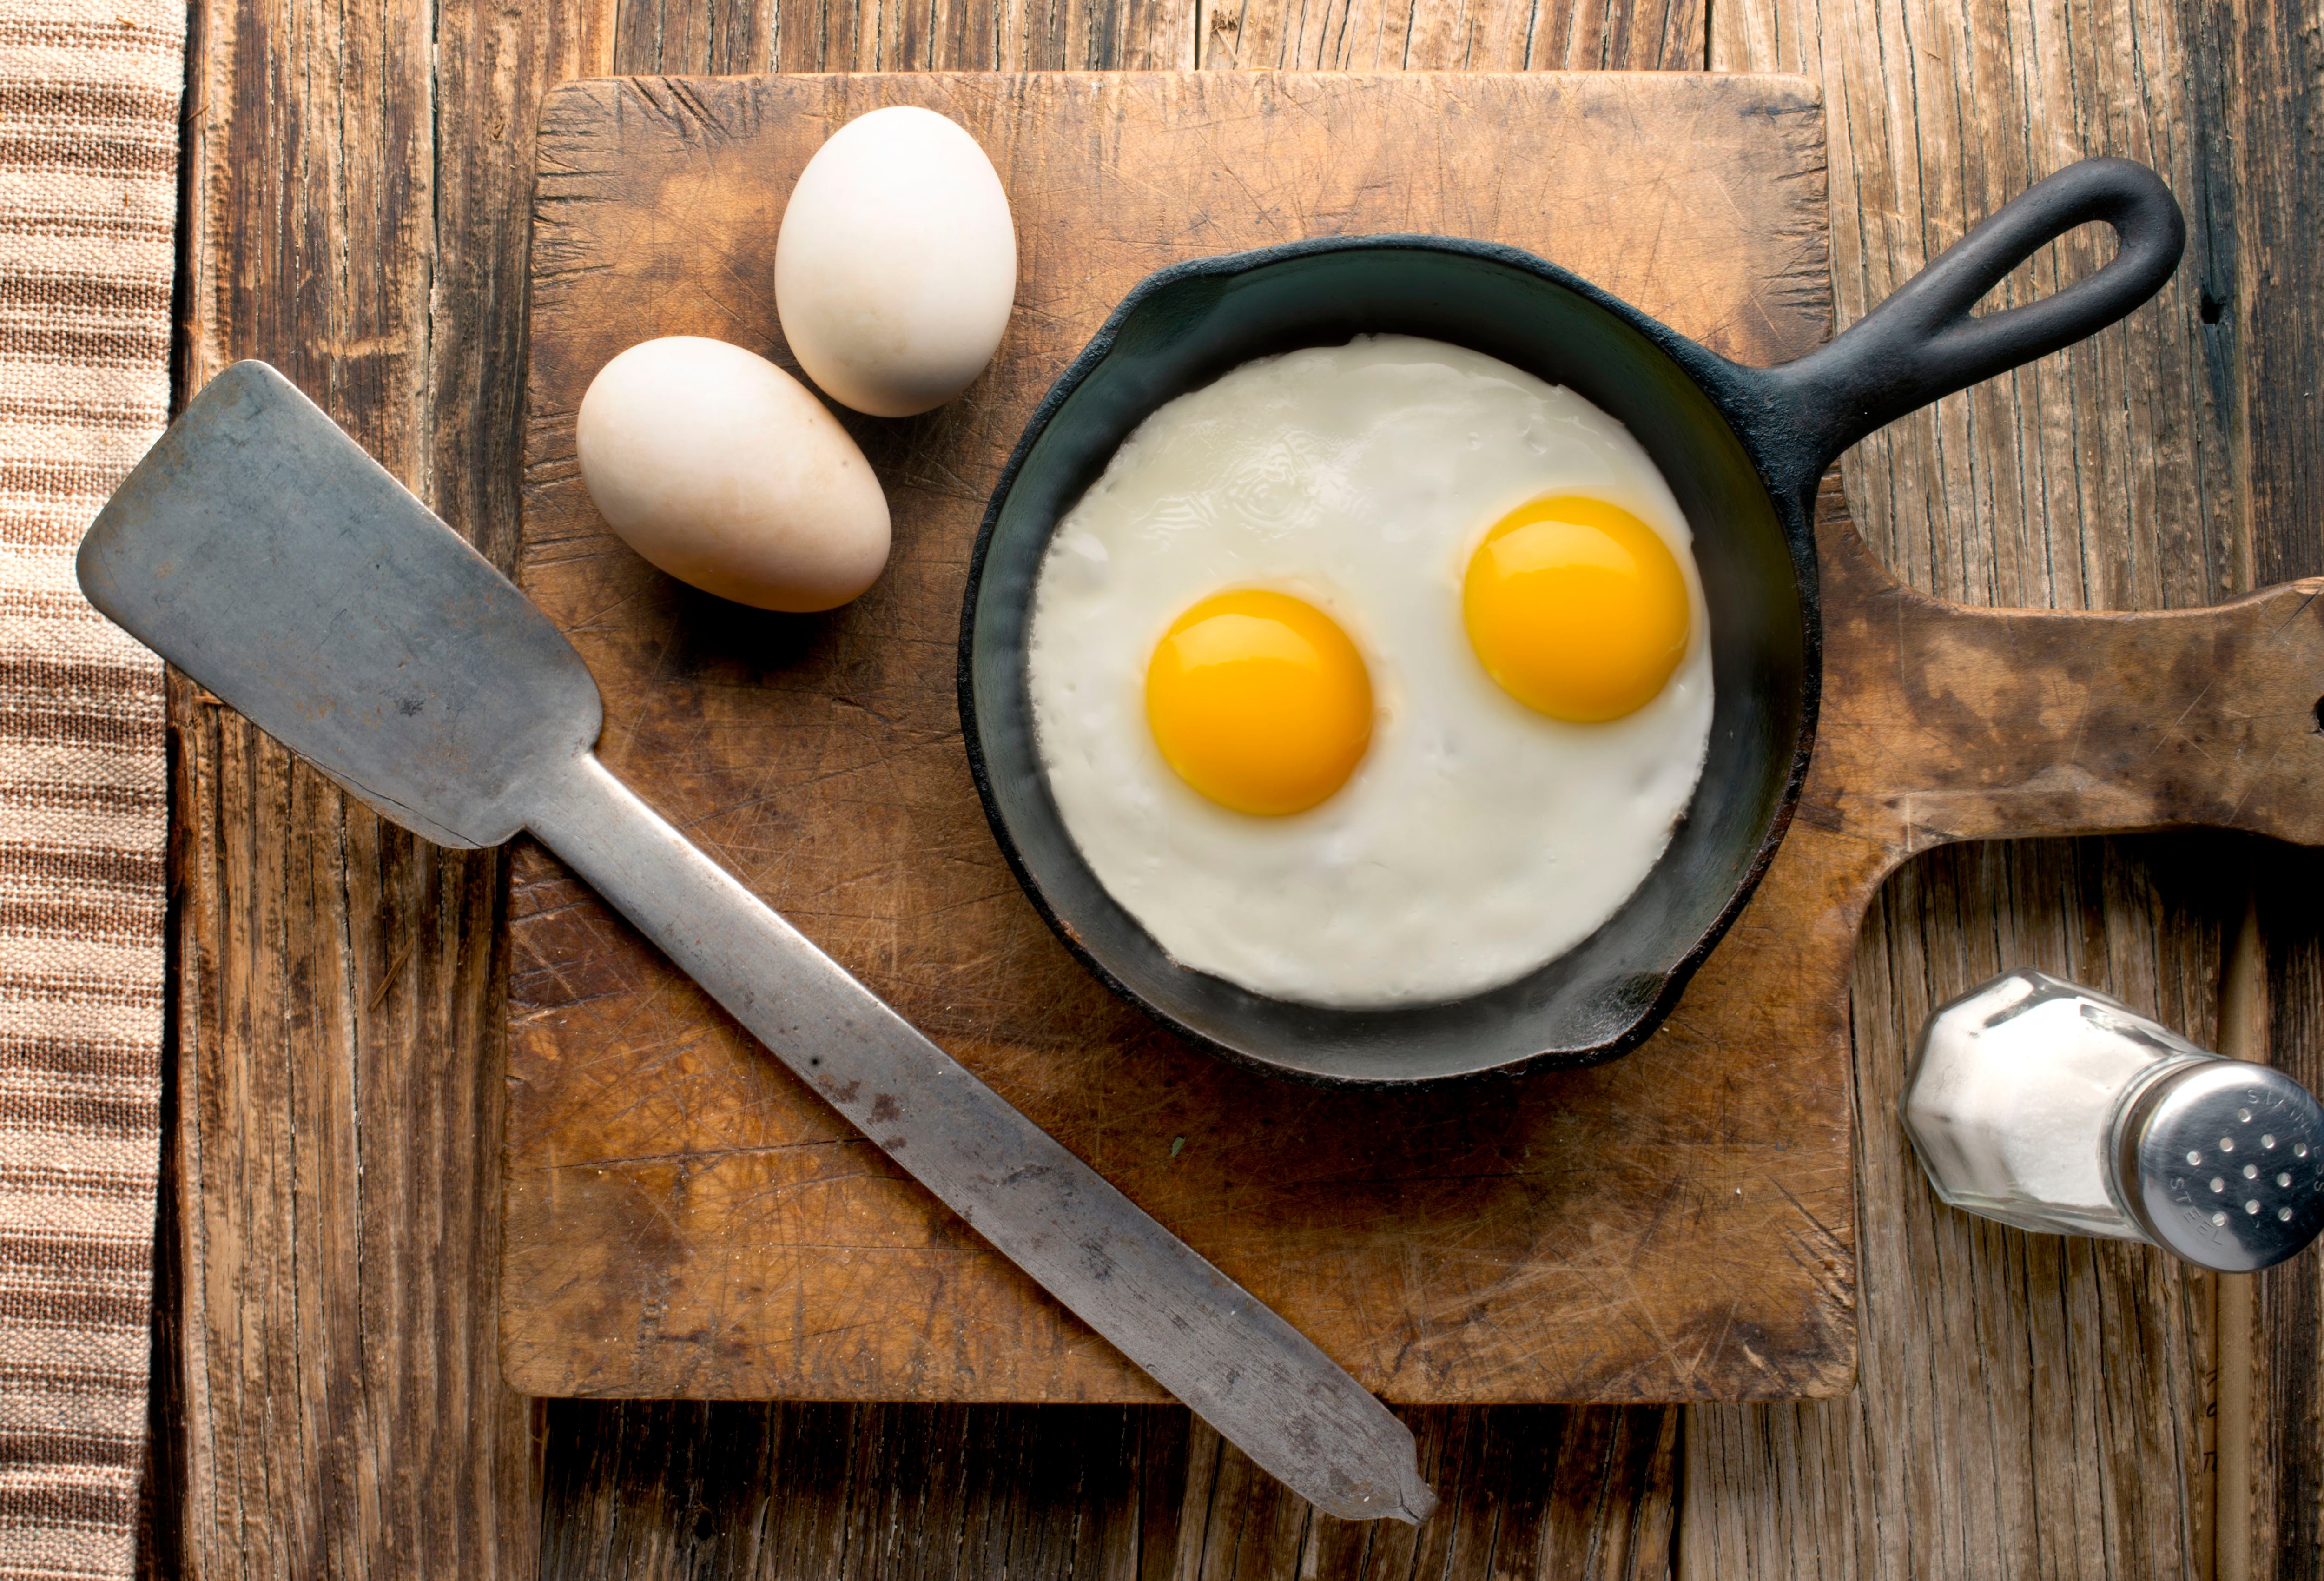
[2050, 1106]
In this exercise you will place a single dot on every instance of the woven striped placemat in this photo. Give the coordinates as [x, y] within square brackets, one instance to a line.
[89, 96]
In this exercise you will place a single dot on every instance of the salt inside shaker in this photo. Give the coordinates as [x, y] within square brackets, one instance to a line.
[2050, 1106]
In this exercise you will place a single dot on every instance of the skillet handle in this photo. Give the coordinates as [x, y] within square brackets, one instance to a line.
[1923, 342]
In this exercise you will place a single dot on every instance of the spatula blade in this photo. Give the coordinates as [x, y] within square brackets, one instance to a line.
[260, 549]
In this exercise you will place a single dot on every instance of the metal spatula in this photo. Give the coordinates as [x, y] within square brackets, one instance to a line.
[262, 551]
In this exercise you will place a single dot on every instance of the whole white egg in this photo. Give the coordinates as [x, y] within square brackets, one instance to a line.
[897, 263]
[725, 471]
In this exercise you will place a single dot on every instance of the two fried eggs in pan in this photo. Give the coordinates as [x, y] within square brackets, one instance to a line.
[1372, 675]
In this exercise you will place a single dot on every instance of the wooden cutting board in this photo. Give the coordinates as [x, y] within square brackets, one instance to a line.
[685, 1219]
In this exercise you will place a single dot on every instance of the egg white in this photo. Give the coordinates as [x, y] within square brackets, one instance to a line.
[1478, 839]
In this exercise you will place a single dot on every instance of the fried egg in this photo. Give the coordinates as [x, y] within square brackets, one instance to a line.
[1372, 675]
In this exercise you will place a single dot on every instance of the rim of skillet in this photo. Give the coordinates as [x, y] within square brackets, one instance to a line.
[1721, 381]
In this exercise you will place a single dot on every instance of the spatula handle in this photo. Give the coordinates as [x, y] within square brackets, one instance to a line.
[1249, 1374]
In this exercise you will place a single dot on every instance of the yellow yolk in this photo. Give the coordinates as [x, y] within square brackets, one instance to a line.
[1260, 701]
[1577, 608]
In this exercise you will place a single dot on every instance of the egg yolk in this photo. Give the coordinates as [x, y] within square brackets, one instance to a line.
[1260, 701]
[1577, 608]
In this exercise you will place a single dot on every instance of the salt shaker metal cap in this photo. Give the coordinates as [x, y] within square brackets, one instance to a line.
[2223, 1163]
[2051, 1106]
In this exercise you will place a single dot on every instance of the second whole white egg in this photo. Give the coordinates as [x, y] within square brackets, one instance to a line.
[896, 266]
[725, 471]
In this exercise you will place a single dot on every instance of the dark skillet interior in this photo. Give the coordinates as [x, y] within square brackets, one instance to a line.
[1186, 328]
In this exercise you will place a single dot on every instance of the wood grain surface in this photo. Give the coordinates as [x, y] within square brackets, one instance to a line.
[1138, 1493]
[327, 1393]
[2028, 1406]
[1995, 1430]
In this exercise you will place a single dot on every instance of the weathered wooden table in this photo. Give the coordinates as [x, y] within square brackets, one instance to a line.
[329, 1396]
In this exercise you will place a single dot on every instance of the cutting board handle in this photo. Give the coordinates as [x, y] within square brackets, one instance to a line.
[1947, 722]
[1924, 342]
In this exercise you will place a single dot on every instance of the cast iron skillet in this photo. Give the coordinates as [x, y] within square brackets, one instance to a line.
[1741, 447]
